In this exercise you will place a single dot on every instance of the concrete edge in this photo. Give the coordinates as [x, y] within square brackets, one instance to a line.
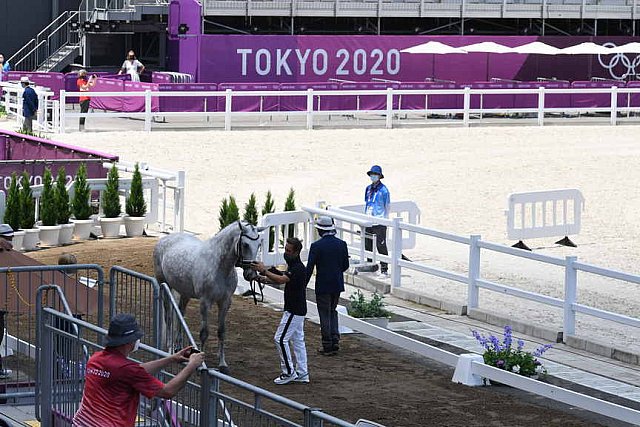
[368, 283]
[422, 299]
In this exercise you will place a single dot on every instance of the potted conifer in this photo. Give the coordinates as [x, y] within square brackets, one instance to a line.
[49, 230]
[111, 208]
[251, 211]
[135, 207]
[62, 207]
[371, 311]
[13, 212]
[81, 206]
[28, 217]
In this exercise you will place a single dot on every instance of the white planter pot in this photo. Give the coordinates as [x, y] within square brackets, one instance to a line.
[66, 233]
[110, 227]
[49, 235]
[31, 239]
[82, 228]
[18, 237]
[381, 322]
[134, 225]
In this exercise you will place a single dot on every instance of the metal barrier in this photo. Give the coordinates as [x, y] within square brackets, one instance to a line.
[544, 214]
[18, 322]
[138, 294]
[204, 404]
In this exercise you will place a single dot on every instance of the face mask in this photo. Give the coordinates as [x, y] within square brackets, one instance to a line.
[374, 178]
[131, 56]
[289, 258]
[136, 345]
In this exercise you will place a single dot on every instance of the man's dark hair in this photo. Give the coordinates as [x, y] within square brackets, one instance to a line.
[296, 243]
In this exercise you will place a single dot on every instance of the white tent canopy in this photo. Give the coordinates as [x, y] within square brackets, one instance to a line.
[487, 47]
[434, 48]
[537, 48]
[586, 48]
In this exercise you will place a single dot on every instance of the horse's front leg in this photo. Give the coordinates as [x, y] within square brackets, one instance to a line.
[223, 308]
[204, 325]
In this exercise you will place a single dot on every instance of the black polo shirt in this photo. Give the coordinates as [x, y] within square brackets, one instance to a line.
[295, 291]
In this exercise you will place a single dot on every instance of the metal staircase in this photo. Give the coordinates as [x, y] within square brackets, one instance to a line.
[55, 47]
[60, 43]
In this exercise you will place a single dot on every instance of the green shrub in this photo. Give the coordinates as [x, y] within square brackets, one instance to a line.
[222, 214]
[267, 208]
[111, 197]
[81, 195]
[362, 308]
[251, 210]
[13, 211]
[27, 204]
[233, 214]
[62, 197]
[136, 206]
[48, 211]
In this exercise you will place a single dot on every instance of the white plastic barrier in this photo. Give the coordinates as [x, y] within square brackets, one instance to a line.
[47, 117]
[299, 220]
[406, 209]
[544, 214]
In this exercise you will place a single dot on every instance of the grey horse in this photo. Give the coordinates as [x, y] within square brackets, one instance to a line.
[206, 270]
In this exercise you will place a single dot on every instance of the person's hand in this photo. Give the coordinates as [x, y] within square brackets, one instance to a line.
[196, 359]
[182, 355]
[258, 266]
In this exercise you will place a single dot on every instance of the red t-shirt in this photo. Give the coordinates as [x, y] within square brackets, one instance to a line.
[112, 390]
[80, 83]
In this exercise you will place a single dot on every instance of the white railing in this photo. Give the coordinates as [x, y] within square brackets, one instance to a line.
[313, 98]
[47, 116]
[539, 388]
[473, 278]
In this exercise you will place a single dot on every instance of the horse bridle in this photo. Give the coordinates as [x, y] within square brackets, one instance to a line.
[241, 262]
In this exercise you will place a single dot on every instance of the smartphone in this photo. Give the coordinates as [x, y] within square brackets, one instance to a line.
[193, 350]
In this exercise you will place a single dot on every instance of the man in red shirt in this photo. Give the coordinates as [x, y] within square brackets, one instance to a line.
[84, 85]
[113, 383]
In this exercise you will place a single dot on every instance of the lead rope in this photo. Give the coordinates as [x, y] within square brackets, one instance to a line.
[12, 283]
[252, 284]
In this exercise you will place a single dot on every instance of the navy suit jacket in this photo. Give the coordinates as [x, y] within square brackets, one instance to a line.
[330, 258]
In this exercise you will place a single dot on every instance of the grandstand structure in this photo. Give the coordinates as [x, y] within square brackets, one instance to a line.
[99, 32]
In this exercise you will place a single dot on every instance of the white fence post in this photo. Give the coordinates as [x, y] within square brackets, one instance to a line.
[178, 201]
[570, 297]
[466, 105]
[362, 243]
[63, 107]
[541, 106]
[147, 110]
[389, 122]
[473, 291]
[227, 109]
[396, 254]
[309, 109]
[614, 105]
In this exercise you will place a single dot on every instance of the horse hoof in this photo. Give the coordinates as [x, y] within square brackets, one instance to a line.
[224, 370]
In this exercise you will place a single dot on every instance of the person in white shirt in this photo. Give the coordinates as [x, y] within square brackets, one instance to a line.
[132, 66]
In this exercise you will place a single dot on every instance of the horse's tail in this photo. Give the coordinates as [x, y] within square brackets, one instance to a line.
[158, 251]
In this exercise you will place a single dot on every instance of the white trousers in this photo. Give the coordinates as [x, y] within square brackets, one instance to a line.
[291, 328]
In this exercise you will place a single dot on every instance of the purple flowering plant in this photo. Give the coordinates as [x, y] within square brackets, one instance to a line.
[504, 355]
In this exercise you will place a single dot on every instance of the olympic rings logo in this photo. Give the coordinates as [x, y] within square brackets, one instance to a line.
[618, 59]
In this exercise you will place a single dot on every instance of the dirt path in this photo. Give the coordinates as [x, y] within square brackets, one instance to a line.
[368, 379]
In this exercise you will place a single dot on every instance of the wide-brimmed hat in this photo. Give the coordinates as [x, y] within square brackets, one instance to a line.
[377, 170]
[325, 223]
[123, 329]
[25, 79]
[6, 230]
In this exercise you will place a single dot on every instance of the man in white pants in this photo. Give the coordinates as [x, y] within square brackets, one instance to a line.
[291, 327]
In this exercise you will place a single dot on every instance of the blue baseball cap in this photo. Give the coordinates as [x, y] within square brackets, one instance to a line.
[377, 170]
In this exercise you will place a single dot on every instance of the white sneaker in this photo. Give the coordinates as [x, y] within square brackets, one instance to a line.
[5, 373]
[302, 378]
[286, 379]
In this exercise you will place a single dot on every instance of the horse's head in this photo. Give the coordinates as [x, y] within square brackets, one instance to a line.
[247, 249]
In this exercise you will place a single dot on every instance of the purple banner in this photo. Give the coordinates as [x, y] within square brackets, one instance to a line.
[54, 81]
[289, 59]
[19, 147]
[187, 103]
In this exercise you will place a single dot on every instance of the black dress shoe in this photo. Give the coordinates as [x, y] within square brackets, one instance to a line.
[327, 352]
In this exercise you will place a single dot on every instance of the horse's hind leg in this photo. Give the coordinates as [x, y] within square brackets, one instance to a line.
[223, 308]
[182, 306]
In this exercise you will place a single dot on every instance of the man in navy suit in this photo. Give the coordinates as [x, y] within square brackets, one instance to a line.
[330, 258]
